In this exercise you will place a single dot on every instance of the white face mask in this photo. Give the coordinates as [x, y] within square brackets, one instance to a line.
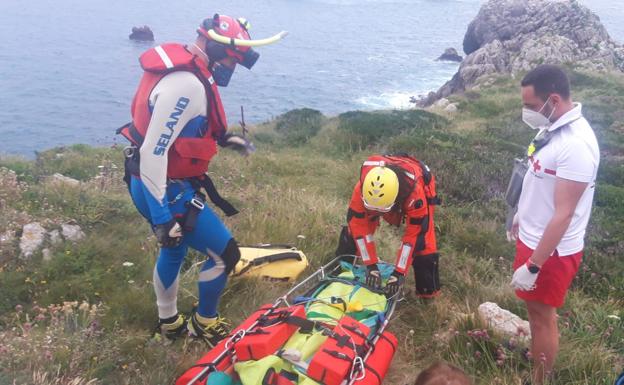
[535, 119]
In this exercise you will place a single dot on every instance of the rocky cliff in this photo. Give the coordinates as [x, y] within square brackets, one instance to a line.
[513, 36]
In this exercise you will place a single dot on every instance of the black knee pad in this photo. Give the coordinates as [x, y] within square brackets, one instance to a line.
[346, 244]
[427, 274]
[231, 255]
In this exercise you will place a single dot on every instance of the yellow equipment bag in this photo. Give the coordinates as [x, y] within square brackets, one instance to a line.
[271, 262]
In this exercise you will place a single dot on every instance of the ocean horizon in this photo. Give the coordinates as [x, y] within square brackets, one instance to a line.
[69, 70]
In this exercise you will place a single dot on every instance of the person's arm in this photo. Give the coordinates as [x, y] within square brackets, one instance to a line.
[416, 226]
[178, 98]
[567, 195]
[360, 229]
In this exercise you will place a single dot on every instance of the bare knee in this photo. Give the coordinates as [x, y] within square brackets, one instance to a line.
[541, 312]
[542, 319]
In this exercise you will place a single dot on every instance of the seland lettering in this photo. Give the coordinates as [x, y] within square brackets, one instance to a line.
[172, 122]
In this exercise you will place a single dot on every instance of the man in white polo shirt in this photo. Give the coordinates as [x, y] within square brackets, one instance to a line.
[554, 206]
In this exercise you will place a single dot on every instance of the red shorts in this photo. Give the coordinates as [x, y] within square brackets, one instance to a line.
[554, 277]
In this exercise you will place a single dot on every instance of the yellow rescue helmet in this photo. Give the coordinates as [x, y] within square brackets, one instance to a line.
[380, 189]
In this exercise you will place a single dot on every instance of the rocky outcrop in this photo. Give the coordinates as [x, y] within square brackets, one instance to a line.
[450, 54]
[442, 103]
[60, 179]
[72, 232]
[143, 33]
[33, 236]
[503, 321]
[514, 36]
[451, 108]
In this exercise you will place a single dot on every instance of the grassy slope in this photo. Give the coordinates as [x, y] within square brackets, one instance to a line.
[299, 183]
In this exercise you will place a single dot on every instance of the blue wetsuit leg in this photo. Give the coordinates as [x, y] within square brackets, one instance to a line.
[210, 237]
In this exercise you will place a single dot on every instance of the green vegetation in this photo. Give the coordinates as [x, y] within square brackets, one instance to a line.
[366, 129]
[85, 316]
[297, 126]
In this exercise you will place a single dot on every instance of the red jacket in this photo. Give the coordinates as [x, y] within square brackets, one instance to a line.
[415, 208]
[189, 156]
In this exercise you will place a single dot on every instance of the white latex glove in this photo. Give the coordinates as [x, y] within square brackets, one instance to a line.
[512, 234]
[523, 279]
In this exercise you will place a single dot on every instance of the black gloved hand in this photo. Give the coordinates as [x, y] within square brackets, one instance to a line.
[395, 282]
[373, 276]
[168, 234]
[237, 143]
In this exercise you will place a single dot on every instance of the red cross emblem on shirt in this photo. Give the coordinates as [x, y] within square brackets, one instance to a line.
[536, 166]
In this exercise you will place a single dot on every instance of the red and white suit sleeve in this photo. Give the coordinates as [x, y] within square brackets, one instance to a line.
[416, 227]
[362, 227]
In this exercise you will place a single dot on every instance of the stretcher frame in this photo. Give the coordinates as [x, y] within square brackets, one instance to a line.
[313, 281]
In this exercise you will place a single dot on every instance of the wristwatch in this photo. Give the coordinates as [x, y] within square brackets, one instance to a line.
[533, 268]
